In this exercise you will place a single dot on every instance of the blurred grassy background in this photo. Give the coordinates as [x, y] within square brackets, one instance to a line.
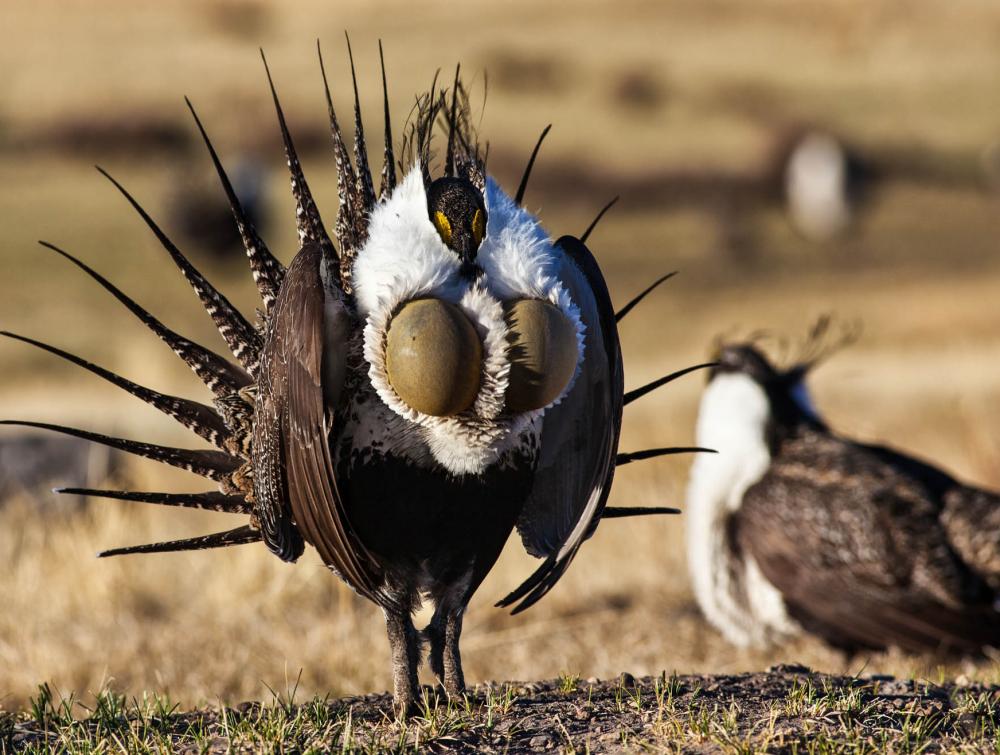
[639, 92]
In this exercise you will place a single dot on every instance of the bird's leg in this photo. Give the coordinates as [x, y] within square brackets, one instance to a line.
[405, 658]
[445, 660]
[454, 679]
[435, 634]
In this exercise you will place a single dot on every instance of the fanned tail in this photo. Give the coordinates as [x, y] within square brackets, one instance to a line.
[238, 536]
[229, 424]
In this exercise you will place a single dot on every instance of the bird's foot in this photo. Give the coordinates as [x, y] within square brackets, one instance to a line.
[406, 704]
[453, 682]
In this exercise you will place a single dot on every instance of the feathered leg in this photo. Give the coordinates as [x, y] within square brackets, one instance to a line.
[405, 649]
[445, 660]
[454, 679]
[443, 634]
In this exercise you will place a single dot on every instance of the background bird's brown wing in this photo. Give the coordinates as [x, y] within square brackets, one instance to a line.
[859, 555]
[296, 416]
[579, 439]
[972, 519]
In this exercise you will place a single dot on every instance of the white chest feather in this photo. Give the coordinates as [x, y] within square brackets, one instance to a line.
[404, 259]
[732, 593]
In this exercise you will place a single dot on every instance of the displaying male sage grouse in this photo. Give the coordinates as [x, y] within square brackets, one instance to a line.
[440, 375]
[791, 527]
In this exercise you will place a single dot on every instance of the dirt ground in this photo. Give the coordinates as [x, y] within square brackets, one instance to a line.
[788, 709]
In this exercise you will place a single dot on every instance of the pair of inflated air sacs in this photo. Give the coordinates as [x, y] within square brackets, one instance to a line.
[434, 356]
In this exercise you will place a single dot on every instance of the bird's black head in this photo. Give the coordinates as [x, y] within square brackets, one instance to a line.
[458, 212]
[747, 359]
[785, 389]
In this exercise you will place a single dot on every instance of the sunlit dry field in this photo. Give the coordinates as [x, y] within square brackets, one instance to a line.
[716, 80]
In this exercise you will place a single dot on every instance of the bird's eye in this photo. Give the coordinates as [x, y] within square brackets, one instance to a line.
[433, 357]
[478, 227]
[543, 354]
[443, 226]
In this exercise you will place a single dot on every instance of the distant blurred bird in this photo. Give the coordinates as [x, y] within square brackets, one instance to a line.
[443, 374]
[204, 217]
[825, 183]
[793, 528]
[31, 464]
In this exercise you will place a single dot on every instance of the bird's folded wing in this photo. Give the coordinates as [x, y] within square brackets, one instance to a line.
[296, 345]
[856, 563]
[579, 437]
[971, 517]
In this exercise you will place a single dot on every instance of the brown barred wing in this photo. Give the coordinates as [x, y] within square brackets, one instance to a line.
[971, 517]
[295, 483]
[856, 550]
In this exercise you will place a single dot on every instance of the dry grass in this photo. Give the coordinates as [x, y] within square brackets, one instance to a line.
[922, 277]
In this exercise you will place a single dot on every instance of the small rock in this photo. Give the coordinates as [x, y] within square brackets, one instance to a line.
[540, 742]
[504, 726]
[248, 709]
[627, 680]
[789, 668]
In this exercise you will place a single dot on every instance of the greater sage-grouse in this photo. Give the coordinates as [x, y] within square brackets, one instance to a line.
[792, 527]
[433, 376]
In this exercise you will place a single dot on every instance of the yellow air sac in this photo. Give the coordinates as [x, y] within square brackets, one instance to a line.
[543, 354]
[433, 357]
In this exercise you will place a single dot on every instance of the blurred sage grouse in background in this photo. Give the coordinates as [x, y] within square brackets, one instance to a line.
[791, 527]
[439, 374]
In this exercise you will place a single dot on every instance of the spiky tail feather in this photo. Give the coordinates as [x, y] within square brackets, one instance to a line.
[210, 501]
[651, 453]
[307, 218]
[641, 295]
[267, 271]
[238, 536]
[622, 512]
[215, 465]
[638, 393]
